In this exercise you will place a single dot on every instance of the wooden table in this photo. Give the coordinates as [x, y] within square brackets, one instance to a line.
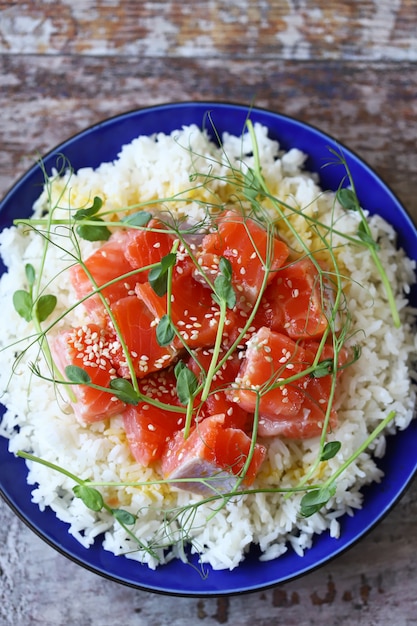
[347, 67]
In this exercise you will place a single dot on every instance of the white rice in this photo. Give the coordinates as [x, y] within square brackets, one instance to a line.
[379, 382]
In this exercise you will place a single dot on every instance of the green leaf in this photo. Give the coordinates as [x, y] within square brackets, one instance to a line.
[124, 517]
[44, 306]
[323, 368]
[365, 236]
[315, 499]
[330, 450]
[251, 187]
[22, 302]
[225, 267]
[124, 390]
[158, 276]
[223, 284]
[165, 332]
[137, 219]
[30, 274]
[90, 211]
[77, 375]
[347, 199]
[90, 496]
[91, 232]
[186, 382]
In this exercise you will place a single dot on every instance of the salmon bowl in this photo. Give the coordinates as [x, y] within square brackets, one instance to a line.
[185, 244]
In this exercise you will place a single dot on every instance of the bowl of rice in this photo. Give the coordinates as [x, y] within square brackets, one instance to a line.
[74, 475]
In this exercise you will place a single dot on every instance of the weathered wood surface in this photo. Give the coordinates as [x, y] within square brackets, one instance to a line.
[349, 68]
[371, 108]
[291, 29]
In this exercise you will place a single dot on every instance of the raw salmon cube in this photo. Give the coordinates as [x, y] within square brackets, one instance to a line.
[91, 348]
[213, 453]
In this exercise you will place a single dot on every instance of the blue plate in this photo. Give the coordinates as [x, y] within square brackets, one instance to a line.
[103, 142]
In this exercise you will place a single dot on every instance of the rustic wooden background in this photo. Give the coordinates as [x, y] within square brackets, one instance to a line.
[347, 67]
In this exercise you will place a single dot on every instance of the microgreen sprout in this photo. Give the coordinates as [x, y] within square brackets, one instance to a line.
[89, 225]
[318, 497]
[93, 500]
[158, 276]
[349, 200]
[33, 309]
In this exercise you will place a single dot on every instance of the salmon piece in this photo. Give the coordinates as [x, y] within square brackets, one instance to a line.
[137, 326]
[271, 358]
[294, 302]
[149, 428]
[218, 402]
[145, 247]
[105, 264]
[303, 426]
[214, 452]
[310, 419]
[297, 409]
[91, 348]
[193, 312]
[244, 243]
